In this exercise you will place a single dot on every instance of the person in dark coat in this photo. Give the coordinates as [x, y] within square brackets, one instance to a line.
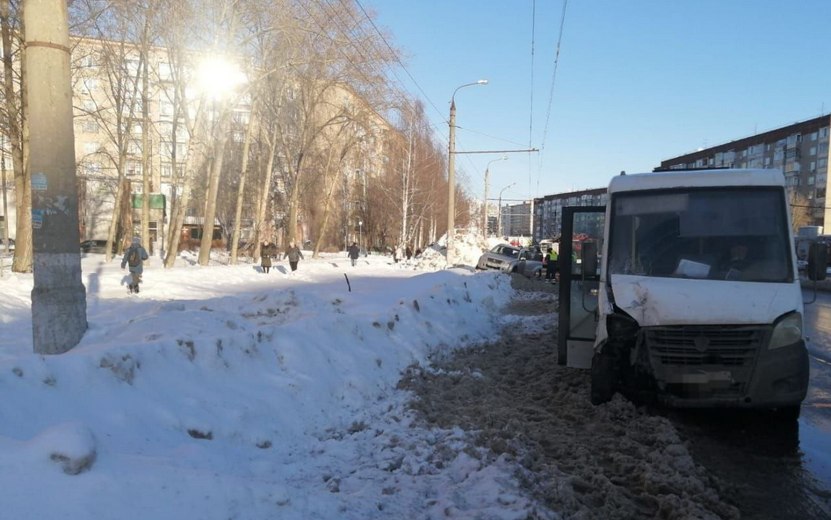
[266, 252]
[294, 255]
[408, 252]
[354, 253]
[134, 258]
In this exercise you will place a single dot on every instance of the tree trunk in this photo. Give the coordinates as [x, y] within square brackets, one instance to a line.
[213, 188]
[249, 133]
[145, 139]
[294, 203]
[262, 206]
[328, 201]
[15, 124]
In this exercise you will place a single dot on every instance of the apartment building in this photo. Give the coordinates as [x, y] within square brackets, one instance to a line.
[800, 150]
[515, 219]
[548, 210]
[111, 134]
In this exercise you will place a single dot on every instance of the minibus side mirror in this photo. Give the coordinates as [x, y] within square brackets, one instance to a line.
[817, 261]
[589, 258]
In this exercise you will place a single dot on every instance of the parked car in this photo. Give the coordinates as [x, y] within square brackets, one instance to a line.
[512, 259]
[3, 245]
[95, 246]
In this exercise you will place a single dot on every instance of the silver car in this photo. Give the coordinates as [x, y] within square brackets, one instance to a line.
[512, 259]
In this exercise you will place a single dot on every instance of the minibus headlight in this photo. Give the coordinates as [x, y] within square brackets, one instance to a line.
[787, 331]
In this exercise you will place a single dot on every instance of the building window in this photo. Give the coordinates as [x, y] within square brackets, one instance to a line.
[813, 136]
[166, 128]
[241, 118]
[820, 193]
[166, 109]
[90, 148]
[89, 85]
[89, 61]
[90, 127]
[165, 72]
[810, 181]
[823, 133]
[132, 66]
[133, 168]
[92, 168]
[167, 169]
[166, 149]
[134, 147]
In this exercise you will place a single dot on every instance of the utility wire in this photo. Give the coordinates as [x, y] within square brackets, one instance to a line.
[553, 79]
[531, 111]
[397, 59]
[440, 132]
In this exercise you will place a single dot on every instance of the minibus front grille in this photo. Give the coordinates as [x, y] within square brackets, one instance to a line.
[733, 346]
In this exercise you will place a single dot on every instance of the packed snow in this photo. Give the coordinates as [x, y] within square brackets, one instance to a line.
[223, 392]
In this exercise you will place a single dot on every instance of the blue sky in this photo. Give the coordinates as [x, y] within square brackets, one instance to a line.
[638, 81]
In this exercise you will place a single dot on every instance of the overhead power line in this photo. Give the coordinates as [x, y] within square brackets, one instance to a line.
[397, 59]
[531, 103]
[553, 80]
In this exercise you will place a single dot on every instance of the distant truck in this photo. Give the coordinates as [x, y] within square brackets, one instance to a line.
[684, 291]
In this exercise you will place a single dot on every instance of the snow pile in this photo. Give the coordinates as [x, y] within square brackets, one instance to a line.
[223, 392]
[332, 392]
[467, 248]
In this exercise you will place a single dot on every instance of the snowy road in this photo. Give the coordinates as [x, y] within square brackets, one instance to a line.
[622, 461]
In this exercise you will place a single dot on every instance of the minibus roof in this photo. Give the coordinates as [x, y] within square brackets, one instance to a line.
[696, 179]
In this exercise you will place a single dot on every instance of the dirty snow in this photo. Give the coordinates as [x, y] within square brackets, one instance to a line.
[222, 392]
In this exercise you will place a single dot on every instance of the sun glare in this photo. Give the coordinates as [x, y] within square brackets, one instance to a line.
[218, 77]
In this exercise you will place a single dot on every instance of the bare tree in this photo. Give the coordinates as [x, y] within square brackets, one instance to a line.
[14, 128]
[801, 210]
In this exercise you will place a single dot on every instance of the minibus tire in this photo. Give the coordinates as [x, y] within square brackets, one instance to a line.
[602, 378]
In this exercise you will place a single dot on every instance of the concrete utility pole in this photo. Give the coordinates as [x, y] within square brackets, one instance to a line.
[59, 307]
[451, 171]
[451, 180]
[485, 200]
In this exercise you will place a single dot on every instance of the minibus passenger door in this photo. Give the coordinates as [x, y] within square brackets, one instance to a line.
[580, 243]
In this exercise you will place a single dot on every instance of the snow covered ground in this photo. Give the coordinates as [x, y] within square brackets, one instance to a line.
[222, 392]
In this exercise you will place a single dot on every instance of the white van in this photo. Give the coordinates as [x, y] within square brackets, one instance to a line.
[696, 301]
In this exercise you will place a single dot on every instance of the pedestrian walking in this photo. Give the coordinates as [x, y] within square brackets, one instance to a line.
[354, 253]
[266, 252]
[134, 258]
[408, 252]
[294, 255]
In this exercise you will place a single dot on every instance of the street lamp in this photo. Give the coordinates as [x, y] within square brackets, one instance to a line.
[451, 168]
[360, 229]
[499, 215]
[485, 200]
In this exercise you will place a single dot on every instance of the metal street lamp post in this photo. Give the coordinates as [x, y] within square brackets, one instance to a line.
[451, 169]
[499, 215]
[360, 233]
[485, 199]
